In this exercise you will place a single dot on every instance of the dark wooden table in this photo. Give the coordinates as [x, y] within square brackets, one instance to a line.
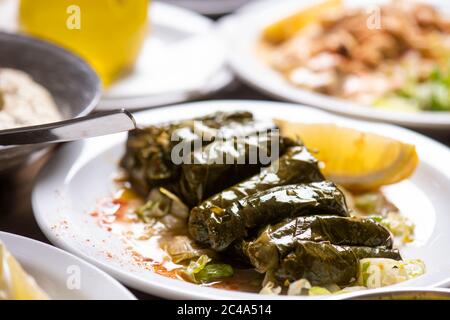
[16, 214]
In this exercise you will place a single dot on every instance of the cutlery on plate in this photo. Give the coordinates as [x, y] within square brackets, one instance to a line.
[94, 125]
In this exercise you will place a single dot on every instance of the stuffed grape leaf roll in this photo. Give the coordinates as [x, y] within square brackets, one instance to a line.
[148, 157]
[322, 263]
[223, 163]
[222, 226]
[297, 165]
[276, 241]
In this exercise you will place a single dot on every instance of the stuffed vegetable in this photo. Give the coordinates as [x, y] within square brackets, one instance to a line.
[228, 199]
[297, 165]
[222, 226]
[224, 163]
[322, 263]
[275, 241]
[148, 158]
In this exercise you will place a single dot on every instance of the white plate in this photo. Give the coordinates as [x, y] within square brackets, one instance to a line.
[182, 59]
[80, 174]
[241, 32]
[213, 8]
[53, 269]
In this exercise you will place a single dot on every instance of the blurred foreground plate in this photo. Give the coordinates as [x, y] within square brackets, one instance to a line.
[241, 32]
[182, 59]
[80, 176]
[52, 267]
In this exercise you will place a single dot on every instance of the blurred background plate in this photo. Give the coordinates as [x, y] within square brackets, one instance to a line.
[182, 59]
[210, 7]
[241, 32]
[254, 5]
[52, 272]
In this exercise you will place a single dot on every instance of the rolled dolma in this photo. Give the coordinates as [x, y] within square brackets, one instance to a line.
[275, 241]
[322, 263]
[223, 163]
[297, 165]
[223, 226]
[148, 157]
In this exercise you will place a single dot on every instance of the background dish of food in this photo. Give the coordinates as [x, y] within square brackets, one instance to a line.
[23, 102]
[52, 273]
[181, 59]
[62, 185]
[242, 32]
[394, 57]
[73, 85]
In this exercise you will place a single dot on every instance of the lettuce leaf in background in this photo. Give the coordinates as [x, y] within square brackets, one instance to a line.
[430, 95]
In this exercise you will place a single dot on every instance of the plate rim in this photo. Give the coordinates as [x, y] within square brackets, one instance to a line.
[170, 288]
[8, 236]
[247, 66]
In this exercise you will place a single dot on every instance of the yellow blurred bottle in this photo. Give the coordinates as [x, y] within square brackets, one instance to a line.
[107, 33]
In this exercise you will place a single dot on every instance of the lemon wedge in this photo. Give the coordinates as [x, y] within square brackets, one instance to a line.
[359, 161]
[287, 27]
[15, 283]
